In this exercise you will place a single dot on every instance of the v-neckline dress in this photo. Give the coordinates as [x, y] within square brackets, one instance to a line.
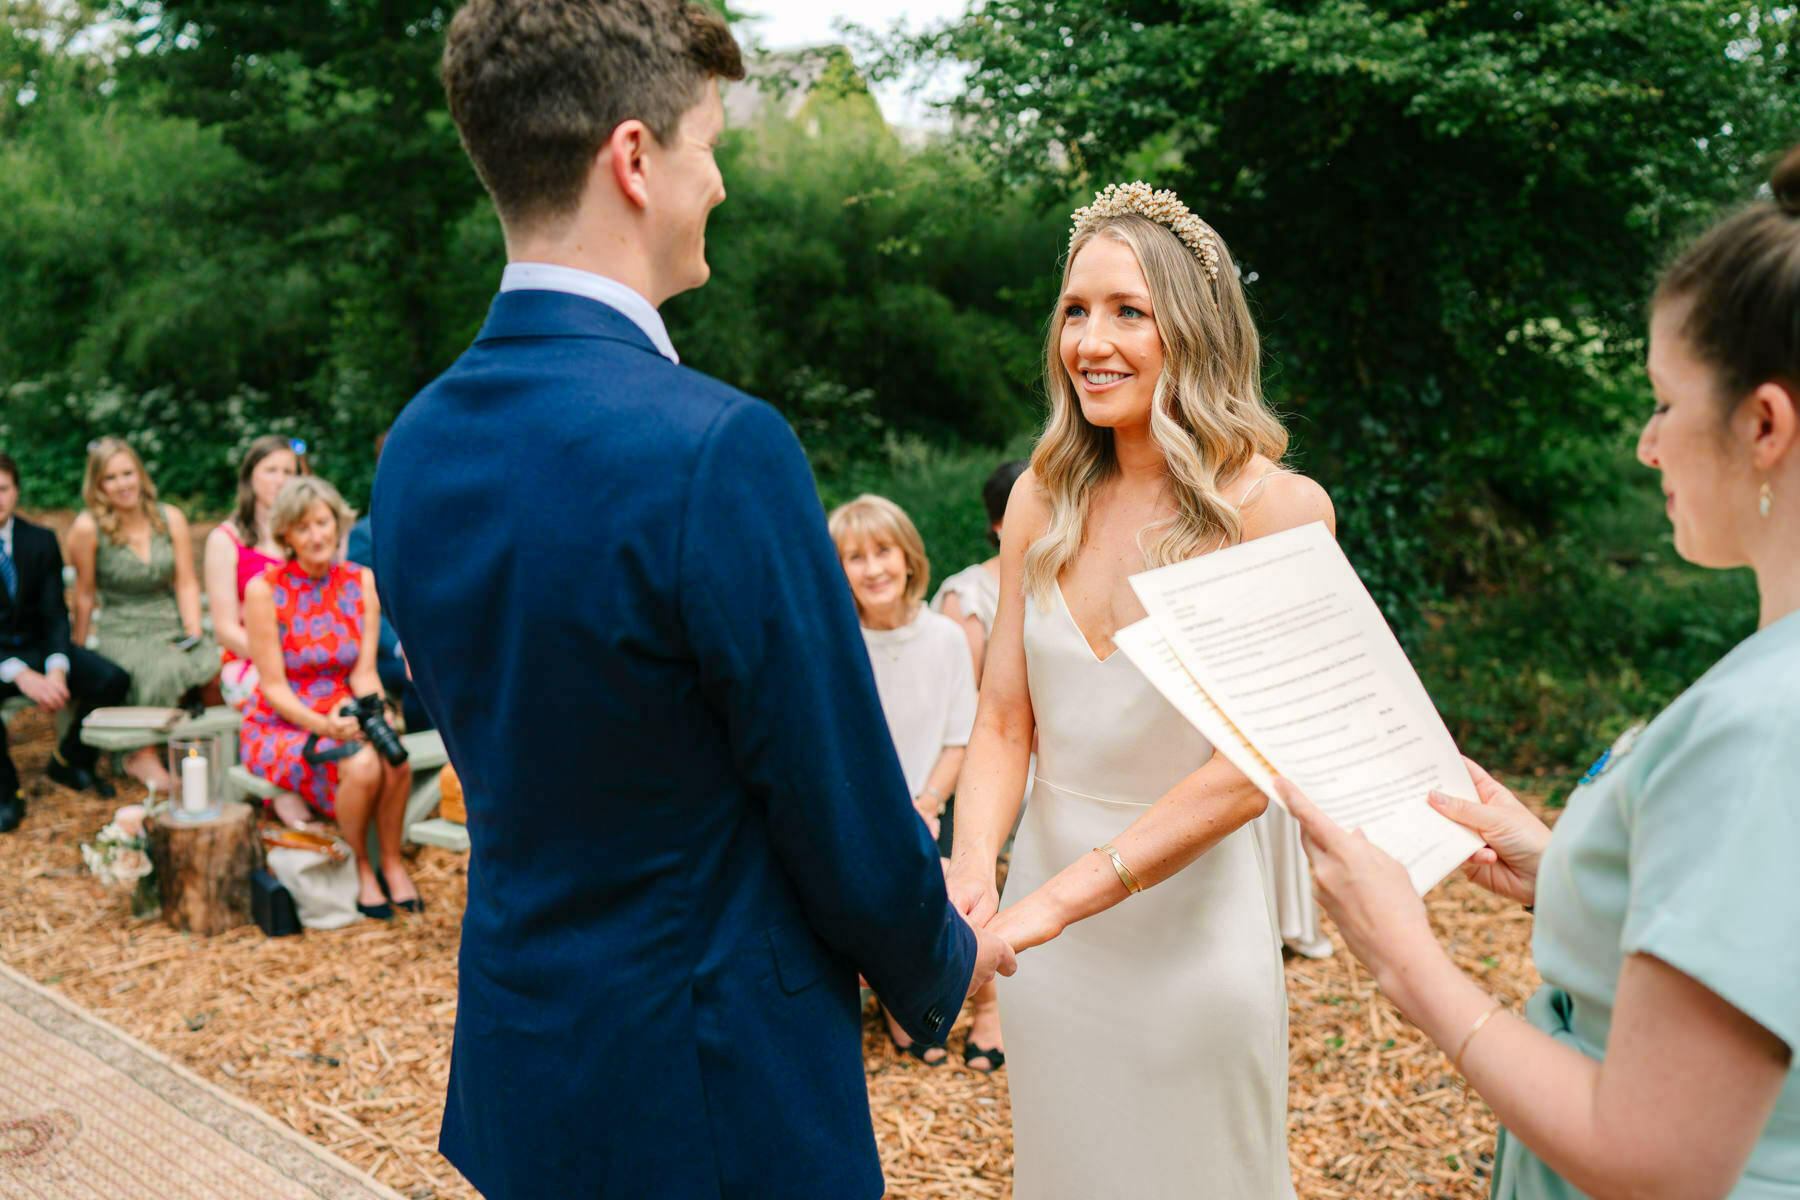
[1147, 1045]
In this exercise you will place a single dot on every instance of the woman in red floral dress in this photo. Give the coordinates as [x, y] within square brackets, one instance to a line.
[313, 625]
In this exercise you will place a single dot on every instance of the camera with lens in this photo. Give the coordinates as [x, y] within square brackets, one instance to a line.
[371, 715]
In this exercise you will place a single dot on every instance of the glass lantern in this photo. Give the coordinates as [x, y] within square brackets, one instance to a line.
[196, 779]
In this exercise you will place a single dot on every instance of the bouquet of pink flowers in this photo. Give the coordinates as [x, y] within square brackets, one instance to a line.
[119, 855]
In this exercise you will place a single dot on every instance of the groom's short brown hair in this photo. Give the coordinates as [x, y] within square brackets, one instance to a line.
[536, 87]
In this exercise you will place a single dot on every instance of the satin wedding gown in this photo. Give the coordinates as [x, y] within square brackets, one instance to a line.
[1147, 1045]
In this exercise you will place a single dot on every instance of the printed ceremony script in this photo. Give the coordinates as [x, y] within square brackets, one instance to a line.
[1276, 652]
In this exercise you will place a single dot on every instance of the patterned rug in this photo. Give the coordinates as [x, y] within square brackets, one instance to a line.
[89, 1113]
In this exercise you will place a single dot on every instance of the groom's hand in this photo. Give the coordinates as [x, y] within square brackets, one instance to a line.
[993, 956]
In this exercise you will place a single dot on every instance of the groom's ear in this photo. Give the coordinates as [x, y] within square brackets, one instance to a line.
[623, 156]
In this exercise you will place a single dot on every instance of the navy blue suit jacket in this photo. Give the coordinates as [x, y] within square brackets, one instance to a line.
[689, 830]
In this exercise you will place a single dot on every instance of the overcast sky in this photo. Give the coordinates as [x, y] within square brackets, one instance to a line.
[805, 22]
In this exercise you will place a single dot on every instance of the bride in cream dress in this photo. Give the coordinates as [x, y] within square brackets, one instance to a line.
[1147, 1025]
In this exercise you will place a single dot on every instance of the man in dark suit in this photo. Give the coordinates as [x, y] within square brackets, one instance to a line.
[36, 658]
[689, 830]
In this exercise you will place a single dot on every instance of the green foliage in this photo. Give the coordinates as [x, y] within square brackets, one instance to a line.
[938, 486]
[1587, 633]
[903, 273]
[235, 219]
[1423, 195]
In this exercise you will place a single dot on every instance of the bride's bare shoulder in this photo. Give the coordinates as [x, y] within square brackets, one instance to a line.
[1285, 500]
[1027, 507]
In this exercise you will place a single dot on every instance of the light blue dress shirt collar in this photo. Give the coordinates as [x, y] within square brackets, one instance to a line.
[548, 277]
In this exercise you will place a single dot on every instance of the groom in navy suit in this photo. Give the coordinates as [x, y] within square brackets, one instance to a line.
[689, 831]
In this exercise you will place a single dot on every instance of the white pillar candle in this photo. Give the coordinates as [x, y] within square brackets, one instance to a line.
[194, 782]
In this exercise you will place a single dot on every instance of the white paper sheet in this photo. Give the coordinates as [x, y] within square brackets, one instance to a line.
[1276, 652]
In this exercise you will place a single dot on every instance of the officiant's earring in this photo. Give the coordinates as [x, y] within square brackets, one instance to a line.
[1765, 499]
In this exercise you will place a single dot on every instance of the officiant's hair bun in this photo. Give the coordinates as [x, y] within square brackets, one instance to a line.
[1740, 284]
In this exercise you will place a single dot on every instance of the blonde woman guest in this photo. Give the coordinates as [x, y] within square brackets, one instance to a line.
[314, 624]
[135, 558]
[921, 666]
[971, 597]
[1146, 1033]
[1658, 1057]
[242, 547]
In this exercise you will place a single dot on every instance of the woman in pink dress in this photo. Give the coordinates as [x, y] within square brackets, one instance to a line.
[313, 625]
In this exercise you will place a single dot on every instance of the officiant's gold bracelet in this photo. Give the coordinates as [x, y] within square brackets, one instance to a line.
[1125, 876]
[1483, 1019]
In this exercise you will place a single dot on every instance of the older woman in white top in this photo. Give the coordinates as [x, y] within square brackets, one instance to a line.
[921, 664]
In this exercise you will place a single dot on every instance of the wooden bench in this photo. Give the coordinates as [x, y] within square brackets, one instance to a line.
[426, 755]
[218, 722]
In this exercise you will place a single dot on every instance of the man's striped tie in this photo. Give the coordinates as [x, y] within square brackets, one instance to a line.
[9, 573]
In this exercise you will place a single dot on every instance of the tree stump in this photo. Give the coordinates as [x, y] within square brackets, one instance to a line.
[203, 869]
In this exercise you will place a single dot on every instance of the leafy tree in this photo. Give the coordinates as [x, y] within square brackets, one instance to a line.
[844, 259]
[1448, 212]
[356, 174]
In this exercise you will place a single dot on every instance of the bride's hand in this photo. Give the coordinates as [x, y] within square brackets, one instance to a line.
[1031, 922]
[972, 891]
[1508, 864]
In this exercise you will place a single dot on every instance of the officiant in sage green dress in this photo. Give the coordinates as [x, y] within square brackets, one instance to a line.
[134, 560]
[1658, 1058]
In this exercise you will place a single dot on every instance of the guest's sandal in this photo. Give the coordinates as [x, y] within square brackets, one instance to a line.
[996, 1058]
[916, 1049]
[376, 912]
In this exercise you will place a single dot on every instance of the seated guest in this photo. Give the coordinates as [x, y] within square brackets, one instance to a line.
[972, 595]
[313, 624]
[241, 548]
[389, 663]
[921, 665]
[37, 659]
[136, 557]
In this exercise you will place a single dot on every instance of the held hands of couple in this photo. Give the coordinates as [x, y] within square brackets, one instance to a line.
[974, 896]
[1367, 891]
[1031, 922]
[993, 956]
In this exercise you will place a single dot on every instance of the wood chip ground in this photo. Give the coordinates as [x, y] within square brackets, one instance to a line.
[346, 1035]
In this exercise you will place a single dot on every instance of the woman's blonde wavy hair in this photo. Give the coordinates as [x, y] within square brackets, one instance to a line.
[1208, 414]
[105, 516]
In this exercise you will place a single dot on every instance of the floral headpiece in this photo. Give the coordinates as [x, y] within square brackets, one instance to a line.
[1163, 207]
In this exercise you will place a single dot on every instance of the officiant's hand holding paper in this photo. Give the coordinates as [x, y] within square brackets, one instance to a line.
[1508, 864]
[1365, 891]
